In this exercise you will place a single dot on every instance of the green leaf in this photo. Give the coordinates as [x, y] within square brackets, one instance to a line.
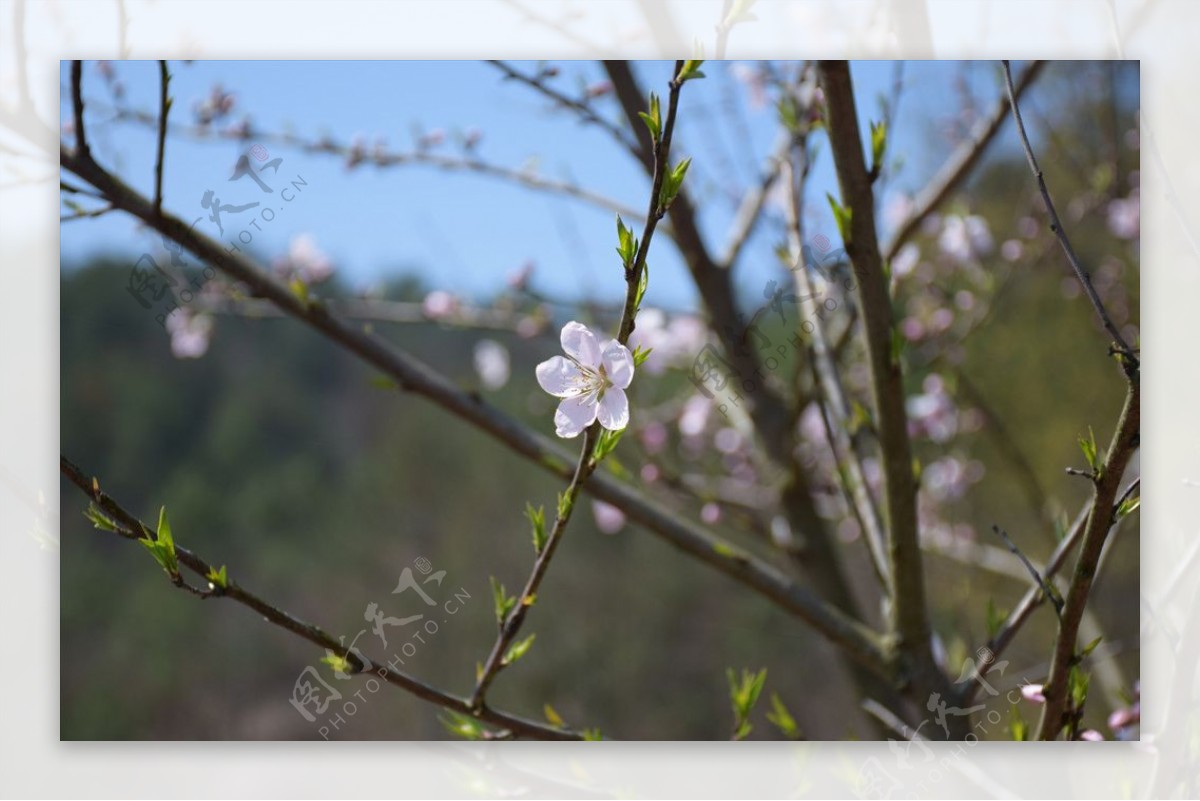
[842, 215]
[605, 443]
[300, 290]
[518, 650]
[640, 355]
[995, 619]
[627, 244]
[690, 70]
[564, 504]
[878, 145]
[592, 735]
[340, 664]
[463, 726]
[743, 695]
[643, 283]
[218, 578]
[1090, 452]
[162, 548]
[552, 716]
[99, 519]
[1091, 646]
[1128, 506]
[782, 719]
[1016, 724]
[383, 382]
[1077, 683]
[503, 602]
[653, 119]
[672, 181]
[537, 517]
[788, 112]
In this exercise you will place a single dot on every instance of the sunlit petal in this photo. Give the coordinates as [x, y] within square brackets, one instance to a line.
[560, 377]
[618, 363]
[613, 409]
[580, 344]
[574, 415]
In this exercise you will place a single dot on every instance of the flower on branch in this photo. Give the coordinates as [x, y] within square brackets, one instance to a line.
[591, 380]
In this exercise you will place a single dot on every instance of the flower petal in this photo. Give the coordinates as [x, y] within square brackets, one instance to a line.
[618, 363]
[580, 344]
[560, 377]
[613, 409]
[573, 416]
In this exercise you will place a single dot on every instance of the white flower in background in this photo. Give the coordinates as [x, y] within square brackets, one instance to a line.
[190, 333]
[1125, 216]
[965, 238]
[305, 261]
[591, 380]
[492, 363]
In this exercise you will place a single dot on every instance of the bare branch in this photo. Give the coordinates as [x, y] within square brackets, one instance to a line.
[750, 210]
[81, 143]
[164, 107]
[957, 167]
[131, 528]
[1130, 360]
[580, 107]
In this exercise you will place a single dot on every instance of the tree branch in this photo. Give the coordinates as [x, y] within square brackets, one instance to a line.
[1130, 360]
[587, 463]
[133, 529]
[81, 143]
[1125, 441]
[164, 107]
[908, 615]
[957, 167]
[414, 376]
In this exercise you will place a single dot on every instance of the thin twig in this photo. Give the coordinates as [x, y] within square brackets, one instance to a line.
[580, 107]
[1050, 592]
[130, 527]
[844, 448]
[750, 209]
[1130, 360]
[164, 107]
[586, 464]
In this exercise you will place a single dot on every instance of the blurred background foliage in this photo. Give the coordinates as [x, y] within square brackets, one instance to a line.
[277, 454]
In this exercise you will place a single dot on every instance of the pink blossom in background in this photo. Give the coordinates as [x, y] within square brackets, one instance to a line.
[609, 519]
[439, 305]
[190, 333]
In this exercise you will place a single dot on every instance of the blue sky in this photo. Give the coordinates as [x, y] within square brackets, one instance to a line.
[465, 232]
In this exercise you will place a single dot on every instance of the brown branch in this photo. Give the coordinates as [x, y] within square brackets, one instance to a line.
[957, 167]
[414, 376]
[1125, 441]
[908, 615]
[81, 143]
[844, 449]
[1130, 360]
[130, 527]
[164, 107]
